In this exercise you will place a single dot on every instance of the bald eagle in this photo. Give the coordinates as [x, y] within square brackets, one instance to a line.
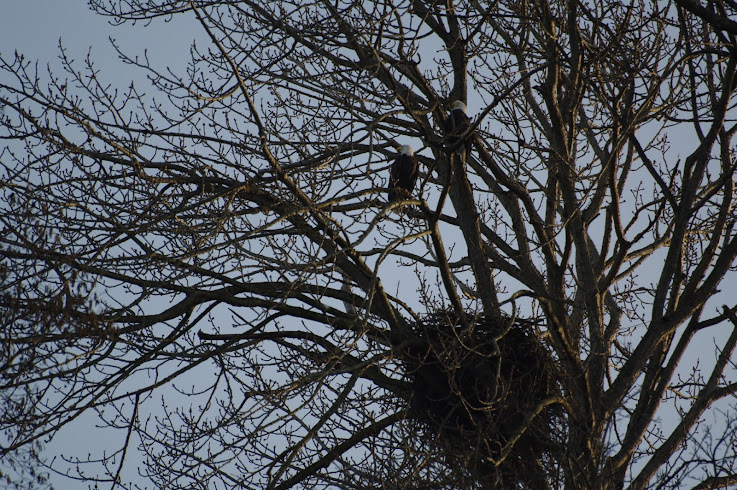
[456, 125]
[403, 174]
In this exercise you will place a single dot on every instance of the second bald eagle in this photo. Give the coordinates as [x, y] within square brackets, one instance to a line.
[456, 125]
[403, 175]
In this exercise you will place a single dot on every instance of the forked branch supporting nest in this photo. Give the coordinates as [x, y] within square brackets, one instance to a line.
[487, 396]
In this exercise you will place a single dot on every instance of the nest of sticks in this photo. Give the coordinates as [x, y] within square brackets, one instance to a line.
[481, 394]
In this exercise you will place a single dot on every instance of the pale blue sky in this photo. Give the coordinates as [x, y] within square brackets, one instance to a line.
[34, 28]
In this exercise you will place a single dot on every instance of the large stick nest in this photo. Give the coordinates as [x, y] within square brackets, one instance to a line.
[478, 393]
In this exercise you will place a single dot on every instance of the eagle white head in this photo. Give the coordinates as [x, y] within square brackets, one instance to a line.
[406, 150]
[458, 105]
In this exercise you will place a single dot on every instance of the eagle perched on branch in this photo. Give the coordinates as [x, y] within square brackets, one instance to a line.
[456, 125]
[403, 175]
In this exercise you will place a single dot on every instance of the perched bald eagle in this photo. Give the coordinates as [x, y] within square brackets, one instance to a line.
[456, 125]
[403, 174]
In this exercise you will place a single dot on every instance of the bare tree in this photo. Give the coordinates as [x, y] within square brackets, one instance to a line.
[211, 268]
